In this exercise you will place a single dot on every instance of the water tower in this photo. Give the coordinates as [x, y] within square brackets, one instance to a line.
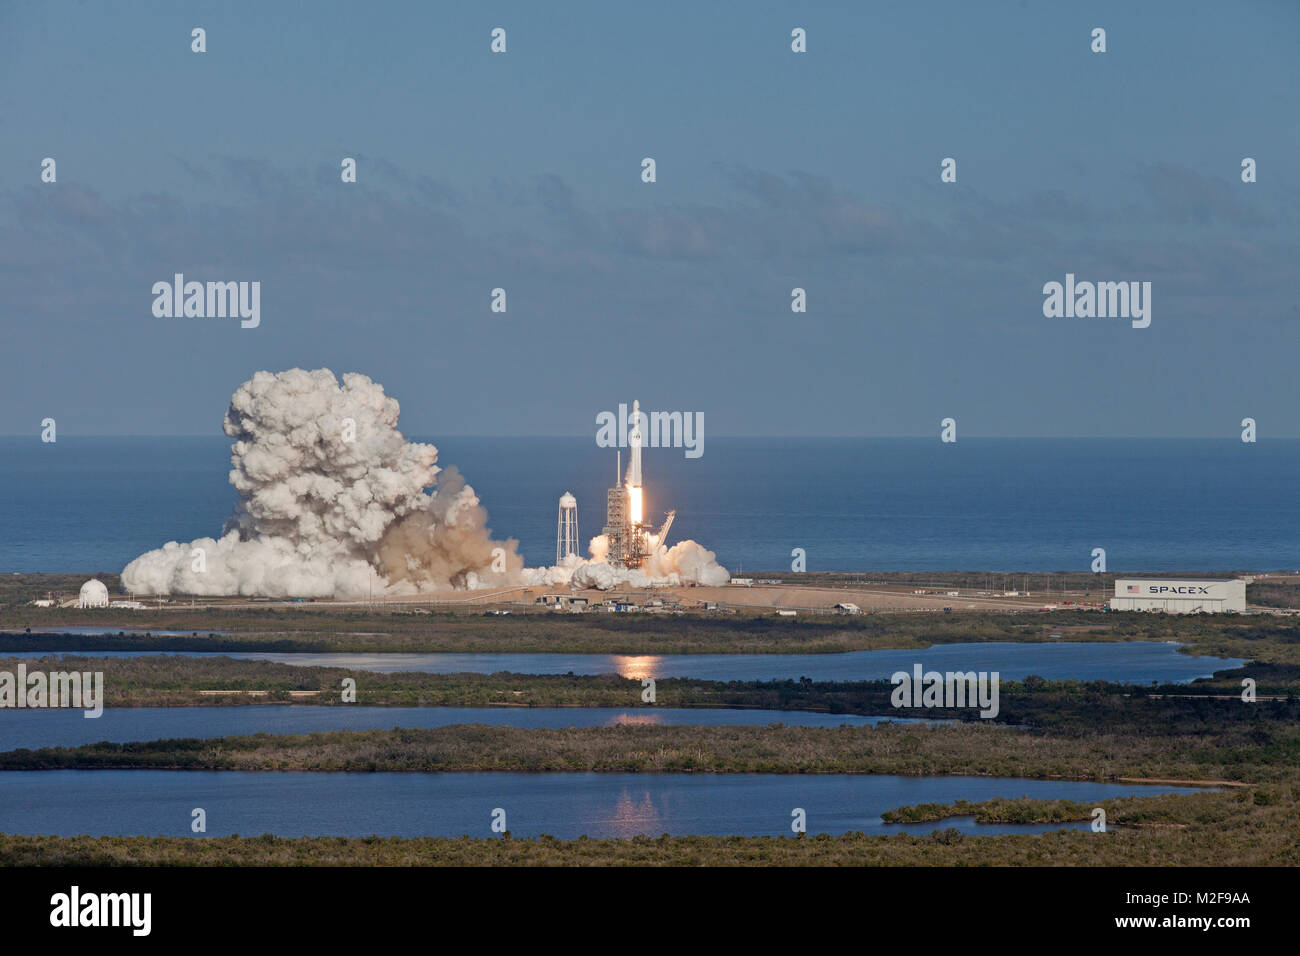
[566, 528]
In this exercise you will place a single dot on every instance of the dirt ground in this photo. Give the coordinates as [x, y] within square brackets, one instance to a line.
[791, 597]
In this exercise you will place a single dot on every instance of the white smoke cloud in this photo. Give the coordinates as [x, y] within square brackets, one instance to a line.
[684, 563]
[319, 515]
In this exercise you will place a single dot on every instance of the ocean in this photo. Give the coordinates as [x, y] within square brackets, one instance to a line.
[1203, 506]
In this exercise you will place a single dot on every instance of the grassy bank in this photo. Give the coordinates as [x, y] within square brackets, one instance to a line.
[387, 631]
[1165, 810]
[179, 681]
[1236, 754]
[1266, 638]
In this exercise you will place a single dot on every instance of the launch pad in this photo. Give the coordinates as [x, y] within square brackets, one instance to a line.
[631, 539]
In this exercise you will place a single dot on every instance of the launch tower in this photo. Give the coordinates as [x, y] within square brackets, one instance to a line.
[630, 539]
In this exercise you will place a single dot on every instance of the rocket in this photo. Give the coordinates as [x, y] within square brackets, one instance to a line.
[634, 441]
[633, 482]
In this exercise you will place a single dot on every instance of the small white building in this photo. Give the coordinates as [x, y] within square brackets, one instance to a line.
[1179, 597]
[93, 594]
[846, 607]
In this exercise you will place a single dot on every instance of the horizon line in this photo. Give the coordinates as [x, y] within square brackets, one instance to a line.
[774, 437]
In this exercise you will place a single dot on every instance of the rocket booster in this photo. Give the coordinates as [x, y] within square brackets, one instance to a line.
[634, 442]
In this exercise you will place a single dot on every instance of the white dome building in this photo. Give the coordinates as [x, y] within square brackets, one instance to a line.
[93, 594]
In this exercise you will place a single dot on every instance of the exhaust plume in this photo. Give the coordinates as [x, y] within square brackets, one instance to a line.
[335, 503]
[332, 503]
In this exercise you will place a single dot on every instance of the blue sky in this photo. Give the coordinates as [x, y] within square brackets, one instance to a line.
[775, 170]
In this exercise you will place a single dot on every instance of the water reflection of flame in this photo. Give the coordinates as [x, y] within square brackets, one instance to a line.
[638, 720]
[631, 818]
[637, 668]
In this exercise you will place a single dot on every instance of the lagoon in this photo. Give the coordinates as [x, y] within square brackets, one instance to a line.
[1134, 662]
[564, 805]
